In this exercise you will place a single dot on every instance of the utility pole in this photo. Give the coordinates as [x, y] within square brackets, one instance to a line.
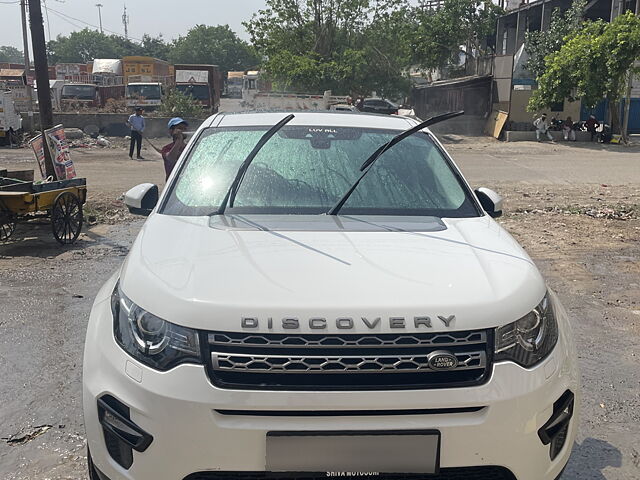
[27, 66]
[42, 75]
[125, 22]
[99, 5]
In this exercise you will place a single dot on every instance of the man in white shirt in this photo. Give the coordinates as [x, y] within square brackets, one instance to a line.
[136, 122]
[542, 127]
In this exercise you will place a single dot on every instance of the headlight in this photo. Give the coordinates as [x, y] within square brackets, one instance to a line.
[529, 340]
[150, 339]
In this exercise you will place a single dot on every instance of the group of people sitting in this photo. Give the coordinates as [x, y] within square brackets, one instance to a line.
[568, 126]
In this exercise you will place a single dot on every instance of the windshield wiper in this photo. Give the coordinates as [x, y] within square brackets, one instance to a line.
[368, 163]
[233, 189]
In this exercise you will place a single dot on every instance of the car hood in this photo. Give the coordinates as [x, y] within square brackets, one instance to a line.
[210, 273]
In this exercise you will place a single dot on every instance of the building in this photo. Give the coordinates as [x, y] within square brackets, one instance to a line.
[512, 82]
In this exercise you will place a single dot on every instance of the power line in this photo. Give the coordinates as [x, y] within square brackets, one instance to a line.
[67, 20]
[90, 24]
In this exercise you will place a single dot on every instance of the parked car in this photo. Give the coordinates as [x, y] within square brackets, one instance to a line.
[342, 107]
[379, 105]
[328, 308]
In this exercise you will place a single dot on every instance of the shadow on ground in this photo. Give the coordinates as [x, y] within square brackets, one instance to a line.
[590, 458]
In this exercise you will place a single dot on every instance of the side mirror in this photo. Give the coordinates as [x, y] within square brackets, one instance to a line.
[490, 201]
[142, 199]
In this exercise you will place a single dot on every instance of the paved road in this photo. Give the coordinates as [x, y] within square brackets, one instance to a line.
[46, 294]
[531, 162]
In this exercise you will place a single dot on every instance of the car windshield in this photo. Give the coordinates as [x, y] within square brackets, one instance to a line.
[199, 92]
[149, 92]
[79, 91]
[307, 169]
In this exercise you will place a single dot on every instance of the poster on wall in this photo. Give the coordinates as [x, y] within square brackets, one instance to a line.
[59, 148]
[37, 144]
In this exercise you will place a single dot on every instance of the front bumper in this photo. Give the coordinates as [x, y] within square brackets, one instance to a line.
[180, 409]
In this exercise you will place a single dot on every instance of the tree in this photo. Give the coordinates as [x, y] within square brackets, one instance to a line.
[459, 26]
[86, 45]
[10, 54]
[539, 44]
[591, 65]
[177, 104]
[155, 47]
[347, 46]
[217, 45]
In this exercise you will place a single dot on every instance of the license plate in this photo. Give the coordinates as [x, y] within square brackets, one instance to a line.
[365, 453]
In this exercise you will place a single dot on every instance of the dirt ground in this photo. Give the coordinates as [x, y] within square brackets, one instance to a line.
[575, 209]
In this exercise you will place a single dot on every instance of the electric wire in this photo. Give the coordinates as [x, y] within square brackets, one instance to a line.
[69, 18]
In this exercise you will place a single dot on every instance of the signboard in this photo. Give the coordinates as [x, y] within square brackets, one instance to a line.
[59, 148]
[192, 76]
[64, 69]
[37, 145]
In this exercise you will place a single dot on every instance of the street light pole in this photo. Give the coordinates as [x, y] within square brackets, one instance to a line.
[99, 5]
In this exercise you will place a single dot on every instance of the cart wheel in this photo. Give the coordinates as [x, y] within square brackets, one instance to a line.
[7, 223]
[66, 218]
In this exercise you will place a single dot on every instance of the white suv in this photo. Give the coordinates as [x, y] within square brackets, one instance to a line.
[323, 295]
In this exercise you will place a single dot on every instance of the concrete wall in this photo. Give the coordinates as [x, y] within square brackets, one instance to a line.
[472, 125]
[518, 111]
[511, 136]
[109, 124]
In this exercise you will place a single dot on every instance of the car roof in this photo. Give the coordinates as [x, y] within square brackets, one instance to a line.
[336, 119]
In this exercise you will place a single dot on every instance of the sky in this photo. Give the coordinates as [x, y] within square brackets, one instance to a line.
[171, 18]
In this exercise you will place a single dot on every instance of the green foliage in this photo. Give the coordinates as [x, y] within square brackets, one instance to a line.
[86, 45]
[591, 65]
[177, 104]
[11, 55]
[347, 46]
[155, 47]
[539, 44]
[203, 44]
[439, 36]
[217, 45]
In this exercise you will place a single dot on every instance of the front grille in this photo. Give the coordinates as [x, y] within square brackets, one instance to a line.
[463, 473]
[354, 362]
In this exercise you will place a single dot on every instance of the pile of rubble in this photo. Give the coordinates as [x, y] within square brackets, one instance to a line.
[616, 212]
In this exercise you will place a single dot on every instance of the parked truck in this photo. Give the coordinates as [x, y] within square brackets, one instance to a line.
[144, 94]
[269, 101]
[202, 82]
[234, 84]
[257, 95]
[89, 94]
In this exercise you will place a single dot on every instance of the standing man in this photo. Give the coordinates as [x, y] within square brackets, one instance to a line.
[542, 127]
[136, 123]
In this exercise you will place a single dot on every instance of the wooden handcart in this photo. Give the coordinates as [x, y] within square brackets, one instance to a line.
[60, 201]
